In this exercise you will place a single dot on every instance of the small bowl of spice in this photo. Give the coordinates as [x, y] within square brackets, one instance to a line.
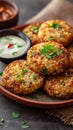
[8, 14]
[13, 45]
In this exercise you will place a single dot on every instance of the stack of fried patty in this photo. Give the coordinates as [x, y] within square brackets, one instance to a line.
[48, 63]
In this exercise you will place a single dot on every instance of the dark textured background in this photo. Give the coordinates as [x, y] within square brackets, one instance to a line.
[28, 8]
[36, 118]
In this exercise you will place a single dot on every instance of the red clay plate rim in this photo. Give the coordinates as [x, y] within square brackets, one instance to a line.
[22, 26]
[29, 102]
[35, 103]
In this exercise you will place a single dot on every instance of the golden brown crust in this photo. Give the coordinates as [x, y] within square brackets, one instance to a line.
[56, 30]
[46, 61]
[20, 79]
[60, 86]
[31, 31]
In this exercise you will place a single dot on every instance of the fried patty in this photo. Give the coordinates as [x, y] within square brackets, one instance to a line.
[31, 31]
[20, 79]
[60, 86]
[56, 30]
[48, 58]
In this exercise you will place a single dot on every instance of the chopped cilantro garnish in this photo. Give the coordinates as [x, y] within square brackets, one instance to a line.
[19, 46]
[1, 85]
[1, 50]
[1, 73]
[19, 77]
[25, 126]
[24, 122]
[2, 120]
[51, 38]
[49, 51]
[24, 71]
[55, 25]
[14, 53]
[35, 29]
[8, 38]
[34, 76]
[44, 70]
[5, 126]
[15, 115]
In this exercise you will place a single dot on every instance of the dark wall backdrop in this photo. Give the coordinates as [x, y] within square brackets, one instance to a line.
[28, 8]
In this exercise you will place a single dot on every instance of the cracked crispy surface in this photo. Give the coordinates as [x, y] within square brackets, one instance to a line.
[56, 30]
[46, 61]
[60, 86]
[20, 79]
[32, 32]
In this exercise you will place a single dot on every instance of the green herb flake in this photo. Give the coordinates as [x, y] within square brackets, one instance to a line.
[15, 115]
[25, 126]
[51, 38]
[49, 51]
[1, 73]
[35, 77]
[35, 29]
[2, 120]
[14, 53]
[1, 85]
[24, 122]
[19, 77]
[44, 71]
[19, 46]
[5, 126]
[1, 50]
[8, 38]
[55, 25]
[24, 71]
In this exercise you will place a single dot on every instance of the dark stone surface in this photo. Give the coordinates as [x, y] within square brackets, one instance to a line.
[36, 118]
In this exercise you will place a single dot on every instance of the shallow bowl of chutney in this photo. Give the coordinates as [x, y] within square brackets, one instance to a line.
[8, 14]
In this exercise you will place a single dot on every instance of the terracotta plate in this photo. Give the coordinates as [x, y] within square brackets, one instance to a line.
[39, 98]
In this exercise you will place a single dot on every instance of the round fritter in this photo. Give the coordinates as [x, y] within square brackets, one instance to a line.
[56, 30]
[48, 58]
[60, 86]
[31, 31]
[70, 51]
[20, 79]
